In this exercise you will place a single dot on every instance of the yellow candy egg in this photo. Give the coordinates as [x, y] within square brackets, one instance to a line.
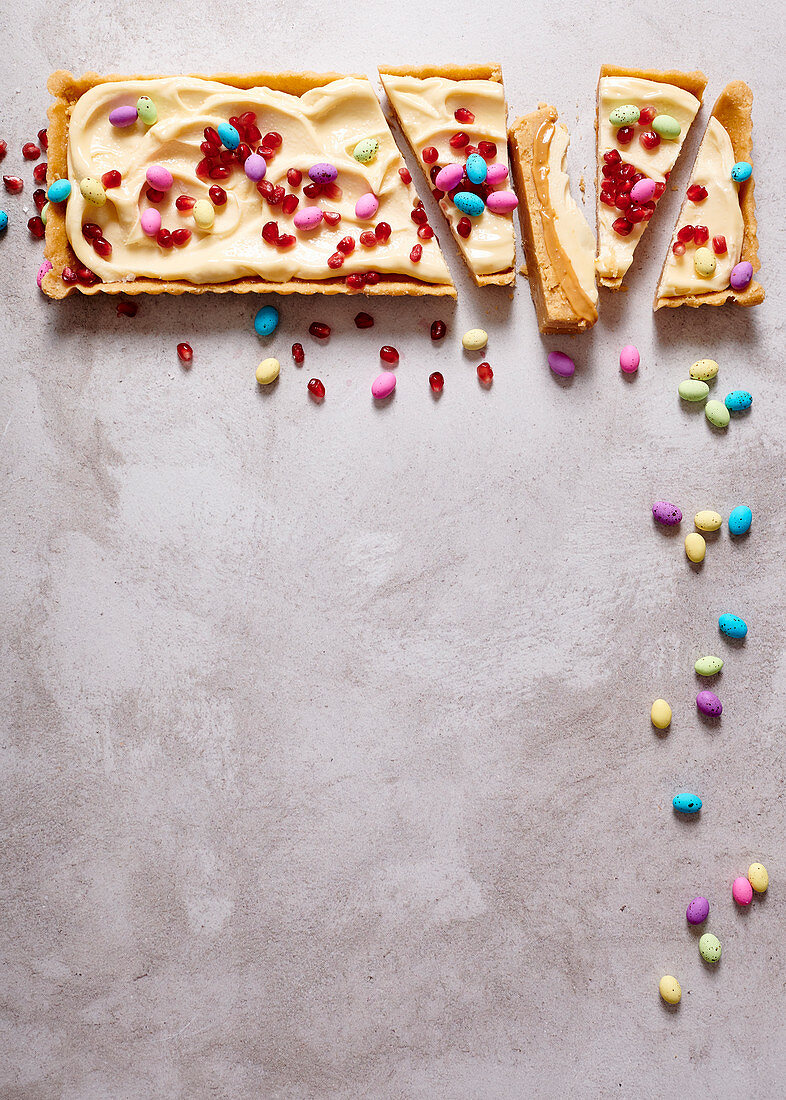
[704, 262]
[758, 877]
[267, 371]
[708, 521]
[695, 547]
[204, 214]
[660, 714]
[93, 191]
[670, 990]
[475, 339]
[704, 369]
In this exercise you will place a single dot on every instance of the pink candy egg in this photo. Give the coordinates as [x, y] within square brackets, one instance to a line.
[123, 116]
[383, 386]
[255, 167]
[366, 206]
[449, 177]
[308, 218]
[150, 221]
[44, 269]
[742, 891]
[643, 191]
[159, 177]
[629, 359]
[501, 202]
[497, 173]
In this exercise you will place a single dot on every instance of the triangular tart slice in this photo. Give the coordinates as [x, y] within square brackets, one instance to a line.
[643, 118]
[449, 115]
[714, 249]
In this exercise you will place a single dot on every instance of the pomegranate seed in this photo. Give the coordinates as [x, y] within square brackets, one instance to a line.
[286, 240]
[164, 238]
[415, 253]
[459, 140]
[248, 118]
[185, 353]
[235, 121]
[485, 374]
[39, 172]
[155, 196]
[30, 151]
[660, 189]
[319, 329]
[102, 247]
[185, 202]
[127, 309]
[298, 354]
[719, 246]
[217, 195]
[356, 281]
[43, 138]
[686, 234]
[487, 149]
[425, 232]
[242, 153]
[608, 199]
[253, 134]
[273, 139]
[636, 214]
[13, 184]
[39, 198]
[634, 179]
[405, 175]
[649, 139]
[623, 202]
[678, 248]
[91, 231]
[336, 260]
[332, 191]
[372, 277]
[219, 173]
[470, 149]
[434, 171]
[625, 135]
[701, 235]
[276, 197]
[266, 152]
[622, 226]
[206, 148]
[649, 210]
[382, 231]
[316, 389]
[86, 277]
[112, 178]
[463, 114]
[388, 354]
[294, 177]
[332, 217]
[613, 156]
[289, 204]
[436, 381]
[438, 330]
[438, 194]
[610, 171]
[429, 154]
[3, 149]
[265, 188]
[68, 275]
[346, 245]
[36, 227]
[368, 238]
[697, 193]
[464, 227]
[364, 320]
[203, 168]
[181, 237]
[419, 216]
[627, 170]
[270, 232]
[646, 115]
[211, 135]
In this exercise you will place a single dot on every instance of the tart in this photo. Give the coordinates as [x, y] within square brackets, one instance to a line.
[643, 118]
[284, 182]
[559, 246]
[454, 118]
[714, 249]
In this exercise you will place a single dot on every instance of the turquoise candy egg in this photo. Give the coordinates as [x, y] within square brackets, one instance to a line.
[686, 803]
[738, 400]
[469, 203]
[228, 134]
[146, 109]
[740, 519]
[59, 191]
[266, 321]
[626, 115]
[741, 171]
[732, 626]
[476, 168]
[3, 222]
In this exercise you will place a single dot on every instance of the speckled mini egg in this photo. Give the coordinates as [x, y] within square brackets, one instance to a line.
[366, 150]
[627, 115]
[322, 172]
[704, 369]
[686, 803]
[669, 989]
[698, 910]
[667, 126]
[708, 521]
[228, 134]
[710, 948]
[758, 877]
[704, 262]
[146, 109]
[738, 400]
[93, 191]
[741, 171]
[740, 519]
[469, 203]
[476, 168]
[732, 625]
[666, 513]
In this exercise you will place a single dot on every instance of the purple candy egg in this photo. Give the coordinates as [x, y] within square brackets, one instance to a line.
[709, 703]
[123, 116]
[741, 275]
[561, 364]
[322, 173]
[698, 911]
[668, 514]
[255, 167]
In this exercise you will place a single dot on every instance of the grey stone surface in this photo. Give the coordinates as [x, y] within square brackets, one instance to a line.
[328, 769]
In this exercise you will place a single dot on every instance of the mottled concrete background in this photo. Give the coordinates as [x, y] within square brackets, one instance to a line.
[328, 770]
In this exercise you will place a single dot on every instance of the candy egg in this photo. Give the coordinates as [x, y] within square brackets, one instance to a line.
[741, 171]
[561, 364]
[476, 168]
[266, 321]
[732, 626]
[146, 109]
[741, 275]
[708, 521]
[123, 116]
[708, 666]
[738, 400]
[758, 877]
[496, 174]
[660, 714]
[469, 203]
[267, 371]
[740, 519]
[501, 202]
[308, 218]
[255, 167]
[669, 989]
[666, 513]
[686, 803]
[627, 115]
[45, 212]
[59, 191]
[44, 269]
[695, 547]
[383, 385]
[704, 369]
[629, 359]
[710, 948]
[159, 177]
[704, 262]
[204, 214]
[228, 134]
[698, 910]
[3, 222]
[742, 891]
[643, 191]
[717, 414]
[366, 150]
[474, 339]
[709, 703]
[693, 390]
[322, 173]
[366, 206]
[150, 220]
[93, 191]
[667, 126]
[449, 177]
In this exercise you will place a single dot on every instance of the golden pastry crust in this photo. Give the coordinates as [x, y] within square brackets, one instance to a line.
[66, 90]
[733, 111]
[694, 82]
[454, 72]
[554, 310]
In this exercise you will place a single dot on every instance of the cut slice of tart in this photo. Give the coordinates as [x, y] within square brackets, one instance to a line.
[643, 118]
[714, 249]
[455, 119]
[559, 246]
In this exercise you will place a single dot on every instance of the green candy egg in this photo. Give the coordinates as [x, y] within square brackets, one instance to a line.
[667, 127]
[45, 213]
[704, 262]
[717, 414]
[710, 948]
[708, 666]
[93, 191]
[626, 115]
[693, 390]
[366, 150]
[146, 109]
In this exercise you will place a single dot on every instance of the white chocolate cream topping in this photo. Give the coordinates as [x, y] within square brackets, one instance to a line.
[322, 126]
[615, 252]
[425, 108]
[720, 212]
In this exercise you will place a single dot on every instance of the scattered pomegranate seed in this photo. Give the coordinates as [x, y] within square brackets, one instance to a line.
[607, 198]
[112, 178]
[43, 138]
[39, 198]
[294, 177]
[181, 237]
[612, 157]
[217, 195]
[316, 389]
[273, 140]
[36, 227]
[221, 173]
[206, 148]
[625, 135]
[266, 152]
[686, 234]
[3, 149]
[678, 248]
[336, 260]
[464, 115]
[289, 204]
[487, 149]
[270, 232]
[388, 354]
[368, 238]
[719, 246]
[434, 171]
[253, 134]
[203, 168]
[430, 154]
[127, 309]
[277, 196]
[39, 172]
[242, 153]
[286, 240]
[185, 202]
[248, 118]
[646, 115]
[164, 239]
[701, 235]
[438, 194]
[436, 381]
[13, 184]
[211, 135]
[30, 151]
[265, 188]
[86, 277]
[419, 216]
[464, 227]
[438, 330]
[636, 214]
[346, 245]
[153, 195]
[298, 354]
[382, 231]
[425, 232]
[332, 217]
[697, 193]
[649, 139]
[623, 201]
[405, 175]
[485, 374]
[102, 247]
[185, 353]
[356, 281]
[660, 189]
[91, 231]
[459, 140]
[68, 275]
[364, 320]
[415, 253]
[622, 226]
[319, 329]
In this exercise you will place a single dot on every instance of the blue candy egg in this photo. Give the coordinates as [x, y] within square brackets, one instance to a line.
[732, 626]
[469, 203]
[228, 134]
[738, 400]
[3, 222]
[740, 520]
[476, 168]
[741, 171]
[686, 803]
[59, 191]
[266, 321]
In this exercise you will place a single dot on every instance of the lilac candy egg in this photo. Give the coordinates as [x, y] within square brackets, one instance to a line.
[383, 385]
[308, 218]
[322, 173]
[698, 911]
[665, 513]
[501, 202]
[643, 191]
[159, 177]
[561, 363]
[366, 206]
[150, 221]
[255, 167]
[709, 703]
[741, 275]
[496, 174]
[449, 177]
[123, 116]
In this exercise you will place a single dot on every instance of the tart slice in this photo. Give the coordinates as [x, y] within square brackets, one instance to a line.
[455, 119]
[714, 249]
[559, 245]
[643, 118]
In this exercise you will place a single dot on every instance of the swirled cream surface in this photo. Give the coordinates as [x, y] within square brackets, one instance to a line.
[322, 126]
